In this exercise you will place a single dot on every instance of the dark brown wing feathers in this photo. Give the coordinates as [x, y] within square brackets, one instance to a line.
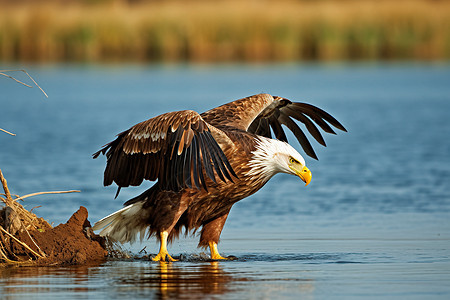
[301, 137]
[281, 111]
[319, 116]
[277, 129]
[307, 122]
[259, 114]
[174, 148]
[178, 148]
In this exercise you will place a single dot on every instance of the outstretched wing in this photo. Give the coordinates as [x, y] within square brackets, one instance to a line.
[174, 148]
[259, 114]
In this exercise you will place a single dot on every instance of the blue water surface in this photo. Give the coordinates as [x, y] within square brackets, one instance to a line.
[374, 222]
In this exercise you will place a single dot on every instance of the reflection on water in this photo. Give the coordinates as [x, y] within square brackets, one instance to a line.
[171, 280]
[163, 280]
[140, 279]
[28, 281]
[305, 269]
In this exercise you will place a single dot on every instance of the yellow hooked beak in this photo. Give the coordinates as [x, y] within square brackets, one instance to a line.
[305, 175]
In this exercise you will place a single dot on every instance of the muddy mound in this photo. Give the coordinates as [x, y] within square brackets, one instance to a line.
[71, 243]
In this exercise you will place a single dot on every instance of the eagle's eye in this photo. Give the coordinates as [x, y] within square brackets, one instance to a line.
[292, 160]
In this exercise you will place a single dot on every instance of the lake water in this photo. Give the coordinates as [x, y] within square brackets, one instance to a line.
[373, 223]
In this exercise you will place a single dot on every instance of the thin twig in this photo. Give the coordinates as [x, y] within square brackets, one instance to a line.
[4, 256]
[1, 194]
[5, 250]
[20, 242]
[31, 210]
[2, 72]
[42, 193]
[7, 131]
[29, 235]
[16, 80]
[9, 200]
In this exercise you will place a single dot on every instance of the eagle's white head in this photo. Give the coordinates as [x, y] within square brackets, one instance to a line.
[274, 156]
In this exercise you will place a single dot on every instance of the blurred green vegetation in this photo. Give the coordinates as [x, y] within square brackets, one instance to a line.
[196, 30]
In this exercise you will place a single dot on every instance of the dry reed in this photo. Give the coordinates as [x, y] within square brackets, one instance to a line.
[226, 30]
[19, 219]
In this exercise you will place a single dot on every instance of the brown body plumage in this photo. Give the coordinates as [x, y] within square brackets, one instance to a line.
[203, 164]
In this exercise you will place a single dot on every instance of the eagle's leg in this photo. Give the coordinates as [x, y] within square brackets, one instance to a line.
[167, 229]
[163, 253]
[211, 233]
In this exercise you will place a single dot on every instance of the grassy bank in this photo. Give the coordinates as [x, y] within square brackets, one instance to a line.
[226, 30]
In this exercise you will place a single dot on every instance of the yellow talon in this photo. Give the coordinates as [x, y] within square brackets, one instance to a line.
[163, 253]
[214, 252]
[163, 256]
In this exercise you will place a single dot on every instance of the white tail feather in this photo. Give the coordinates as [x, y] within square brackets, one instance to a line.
[124, 224]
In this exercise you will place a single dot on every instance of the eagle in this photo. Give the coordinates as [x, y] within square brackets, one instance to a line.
[203, 164]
